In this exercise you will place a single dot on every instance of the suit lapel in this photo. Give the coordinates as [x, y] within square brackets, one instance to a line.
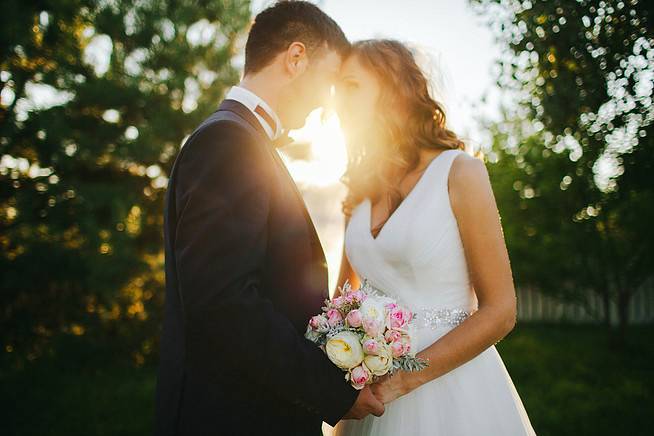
[244, 113]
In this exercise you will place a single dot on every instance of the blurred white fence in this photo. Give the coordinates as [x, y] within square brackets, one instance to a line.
[536, 306]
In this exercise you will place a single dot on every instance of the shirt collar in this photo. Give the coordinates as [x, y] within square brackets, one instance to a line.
[250, 100]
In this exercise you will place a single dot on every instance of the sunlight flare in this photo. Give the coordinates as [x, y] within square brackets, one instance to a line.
[328, 159]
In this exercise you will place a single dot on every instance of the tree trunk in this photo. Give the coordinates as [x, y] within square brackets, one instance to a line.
[623, 315]
[606, 302]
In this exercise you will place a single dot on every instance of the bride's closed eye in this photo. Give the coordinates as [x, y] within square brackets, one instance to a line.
[351, 86]
[348, 85]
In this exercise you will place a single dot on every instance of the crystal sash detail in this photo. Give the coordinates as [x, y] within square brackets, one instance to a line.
[438, 317]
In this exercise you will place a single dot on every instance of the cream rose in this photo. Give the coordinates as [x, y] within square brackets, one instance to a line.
[344, 349]
[380, 363]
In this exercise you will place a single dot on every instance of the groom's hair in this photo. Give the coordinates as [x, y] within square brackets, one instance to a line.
[278, 26]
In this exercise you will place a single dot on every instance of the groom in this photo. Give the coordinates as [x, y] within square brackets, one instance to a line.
[244, 266]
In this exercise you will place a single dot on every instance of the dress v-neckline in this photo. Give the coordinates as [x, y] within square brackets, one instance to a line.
[397, 209]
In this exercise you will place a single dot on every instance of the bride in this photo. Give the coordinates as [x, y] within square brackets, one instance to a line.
[422, 226]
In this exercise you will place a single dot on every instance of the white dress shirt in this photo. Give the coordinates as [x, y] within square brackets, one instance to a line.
[251, 100]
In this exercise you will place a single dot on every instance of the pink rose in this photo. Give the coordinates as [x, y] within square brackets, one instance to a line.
[371, 346]
[360, 376]
[314, 322]
[372, 327]
[392, 336]
[334, 317]
[400, 344]
[354, 318]
[399, 317]
[338, 301]
[397, 347]
[319, 323]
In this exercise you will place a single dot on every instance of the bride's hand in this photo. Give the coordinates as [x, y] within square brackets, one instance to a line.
[388, 388]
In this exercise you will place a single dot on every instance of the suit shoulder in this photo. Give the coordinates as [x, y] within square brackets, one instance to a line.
[217, 136]
[220, 130]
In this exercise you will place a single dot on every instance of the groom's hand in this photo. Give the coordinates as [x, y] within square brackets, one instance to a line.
[365, 404]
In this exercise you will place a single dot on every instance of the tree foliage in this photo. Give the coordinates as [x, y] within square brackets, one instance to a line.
[97, 97]
[572, 159]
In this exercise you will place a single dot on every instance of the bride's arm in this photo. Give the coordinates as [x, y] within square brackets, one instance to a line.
[346, 272]
[474, 206]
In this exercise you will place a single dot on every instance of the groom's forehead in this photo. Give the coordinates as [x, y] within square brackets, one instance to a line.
[330, 61]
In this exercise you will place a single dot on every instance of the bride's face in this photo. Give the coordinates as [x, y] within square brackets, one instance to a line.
[357, 94]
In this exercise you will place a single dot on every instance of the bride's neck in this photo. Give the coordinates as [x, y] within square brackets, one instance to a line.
[425, 157]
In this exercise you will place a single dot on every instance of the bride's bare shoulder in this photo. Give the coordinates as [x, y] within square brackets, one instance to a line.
[468, 180]
[466, 168]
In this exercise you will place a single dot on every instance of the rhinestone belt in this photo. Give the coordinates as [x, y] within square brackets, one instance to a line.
[433, 318]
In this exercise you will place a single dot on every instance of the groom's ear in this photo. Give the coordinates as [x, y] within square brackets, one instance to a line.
[296, 60]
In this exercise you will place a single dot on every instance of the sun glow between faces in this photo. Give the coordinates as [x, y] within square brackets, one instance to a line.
[328, 155]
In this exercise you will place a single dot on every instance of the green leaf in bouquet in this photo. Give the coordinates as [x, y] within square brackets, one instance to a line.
[409, 364]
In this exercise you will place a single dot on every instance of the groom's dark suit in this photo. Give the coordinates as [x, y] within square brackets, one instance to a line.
[244, 272]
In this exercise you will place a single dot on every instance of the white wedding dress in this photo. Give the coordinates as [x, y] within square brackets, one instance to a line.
[418, 259]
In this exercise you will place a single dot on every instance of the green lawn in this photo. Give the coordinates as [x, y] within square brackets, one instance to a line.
[571, 381]
[107, 402]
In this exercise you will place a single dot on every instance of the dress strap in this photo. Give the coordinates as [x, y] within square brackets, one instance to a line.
[446, 164]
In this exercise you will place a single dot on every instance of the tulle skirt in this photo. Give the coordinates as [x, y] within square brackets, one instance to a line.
[477, 398]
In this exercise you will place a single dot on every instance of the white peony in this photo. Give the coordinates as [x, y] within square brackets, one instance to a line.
[372, 309]
[344, 349]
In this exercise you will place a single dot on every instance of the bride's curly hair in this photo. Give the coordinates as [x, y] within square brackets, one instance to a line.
[407, 116]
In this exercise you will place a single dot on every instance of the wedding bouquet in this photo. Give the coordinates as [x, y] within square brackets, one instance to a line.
[365, 334]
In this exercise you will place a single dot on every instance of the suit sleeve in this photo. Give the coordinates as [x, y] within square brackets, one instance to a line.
[222, 199]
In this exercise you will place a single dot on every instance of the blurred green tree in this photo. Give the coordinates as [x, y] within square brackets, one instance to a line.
[572, 160]
[96, 98]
